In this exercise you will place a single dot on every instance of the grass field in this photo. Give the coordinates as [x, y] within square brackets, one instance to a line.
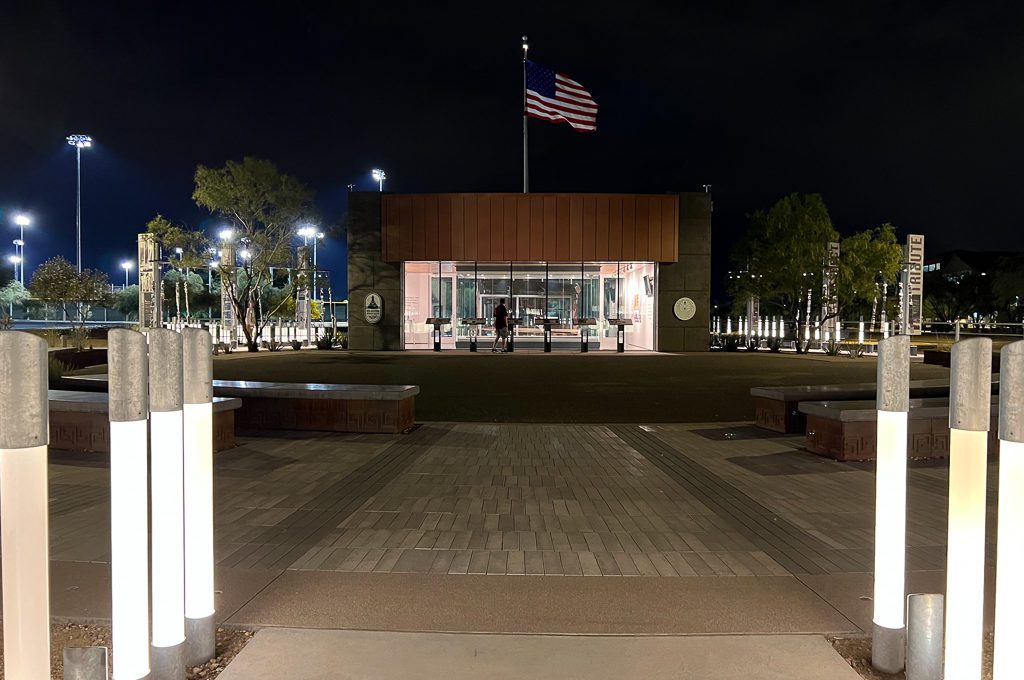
[563, 388]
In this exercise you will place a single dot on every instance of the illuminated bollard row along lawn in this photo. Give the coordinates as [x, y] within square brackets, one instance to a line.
[1009, 629]
[129, 501]
[24, 439]
[970, 396]
[893, 404]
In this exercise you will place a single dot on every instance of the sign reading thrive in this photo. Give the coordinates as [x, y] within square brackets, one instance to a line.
[374, 308]
[913, 284]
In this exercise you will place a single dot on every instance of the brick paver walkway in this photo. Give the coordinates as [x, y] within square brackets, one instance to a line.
[616, 500]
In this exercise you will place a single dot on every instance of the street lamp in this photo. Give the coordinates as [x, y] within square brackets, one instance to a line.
[22, 221]
[245, 254]
[127, 267]
[226, 234]
[379, 176]
[79, 142]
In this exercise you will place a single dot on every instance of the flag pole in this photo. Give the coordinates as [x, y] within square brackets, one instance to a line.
[526, 145]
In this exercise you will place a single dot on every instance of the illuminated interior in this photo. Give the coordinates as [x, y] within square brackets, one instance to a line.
[532, 290]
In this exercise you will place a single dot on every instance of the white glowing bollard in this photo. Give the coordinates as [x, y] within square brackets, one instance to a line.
[885, 329]
[860, 333]
[728, 326]
[760, 327]
[1010, 546]
[888, 633]
[129, 501]
[166, 489]
[24, 439]
[970, 394]
[200, 626]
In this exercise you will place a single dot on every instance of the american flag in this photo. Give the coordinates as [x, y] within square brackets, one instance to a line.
[558, 98]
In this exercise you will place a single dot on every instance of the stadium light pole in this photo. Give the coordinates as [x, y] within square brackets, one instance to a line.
[379, 176]
[127, 267]
[22, 221]
[79, 142]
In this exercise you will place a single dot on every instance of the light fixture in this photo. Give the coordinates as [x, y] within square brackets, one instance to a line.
[244, 254]
[226, 234]
[80, 141]
[22, 220]
[379, 176]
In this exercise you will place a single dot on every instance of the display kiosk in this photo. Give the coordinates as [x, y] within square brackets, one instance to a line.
[546, 324]
[512, 323]
[475, 323]
[437, 322]
[620, 333]
[585, 324]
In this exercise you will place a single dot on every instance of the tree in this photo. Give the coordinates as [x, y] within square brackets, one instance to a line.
[13, 294]
[864, 259]
[782, 253]
[184, 249]
[262, 206]
[59, 282]
[1008, 287]
[126, 301]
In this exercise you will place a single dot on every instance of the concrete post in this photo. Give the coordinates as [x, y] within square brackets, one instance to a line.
[24, 440]
[167, 475]
[893, 403]
[129, 501]
[1010, 547]
[969, 406]
[924, 636]
[200, 625]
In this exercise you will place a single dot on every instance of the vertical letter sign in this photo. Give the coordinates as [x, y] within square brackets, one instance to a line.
[913, 284]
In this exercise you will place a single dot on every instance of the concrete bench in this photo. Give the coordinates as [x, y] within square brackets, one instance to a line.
[845, 430]
[777, 408]
[79, 421]
[315, 406]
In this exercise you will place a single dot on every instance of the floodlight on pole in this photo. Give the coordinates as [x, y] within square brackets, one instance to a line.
[22, 221]
[379, 176]
[226, 234]
[127, 267]
[79, 142]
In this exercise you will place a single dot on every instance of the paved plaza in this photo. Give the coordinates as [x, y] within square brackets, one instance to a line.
[695, 504]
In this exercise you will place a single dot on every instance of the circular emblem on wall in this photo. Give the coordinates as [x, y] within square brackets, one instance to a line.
[374, 308]
[684, 309]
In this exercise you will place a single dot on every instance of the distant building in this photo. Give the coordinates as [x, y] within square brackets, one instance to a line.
[956, 263]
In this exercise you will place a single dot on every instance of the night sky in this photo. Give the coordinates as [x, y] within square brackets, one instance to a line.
[904, 112]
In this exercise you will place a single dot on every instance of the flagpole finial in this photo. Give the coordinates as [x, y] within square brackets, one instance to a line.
[526, 46]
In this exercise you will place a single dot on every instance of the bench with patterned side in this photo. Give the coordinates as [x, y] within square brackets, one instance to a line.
[79, 421]
[845, 430]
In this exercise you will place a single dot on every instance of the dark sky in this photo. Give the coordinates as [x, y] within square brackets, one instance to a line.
[904, 112]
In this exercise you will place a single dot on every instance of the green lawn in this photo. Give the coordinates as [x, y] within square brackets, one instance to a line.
[563, 388]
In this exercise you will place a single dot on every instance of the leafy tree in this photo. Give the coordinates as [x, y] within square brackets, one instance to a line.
[59, 282]
[1008, 287]
[126, 301]
[13, 294]
[864, 259]
[782, 253]
[262, 206]
[955, 296]
[184, 249]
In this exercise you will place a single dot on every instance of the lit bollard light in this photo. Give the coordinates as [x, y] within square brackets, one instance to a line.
[166, 490]
[129, 501]
[1009, 627]
[200, 625]
[893, 402]
[24, 440]
[969, 411]
[860, 332]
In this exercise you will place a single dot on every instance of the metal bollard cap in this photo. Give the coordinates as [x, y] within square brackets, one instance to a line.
[1011, 392]
[894, 374]
[24, 394]
[128, 387]
[197, 362]
[970, 387]
[165, 380]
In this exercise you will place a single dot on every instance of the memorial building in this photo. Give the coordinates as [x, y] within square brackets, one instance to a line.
[578, 272]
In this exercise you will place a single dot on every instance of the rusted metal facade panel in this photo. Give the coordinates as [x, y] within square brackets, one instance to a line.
[530, 227]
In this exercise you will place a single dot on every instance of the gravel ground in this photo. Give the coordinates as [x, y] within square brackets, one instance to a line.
[229, 644]
[857, 652]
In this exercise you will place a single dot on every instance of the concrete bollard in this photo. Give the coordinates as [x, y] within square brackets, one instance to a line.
[969, 411]
[24, 440]
[129, 501]
[888, 635]
[924, 636]
[1009, 626]
[200, 624]
[167, 496]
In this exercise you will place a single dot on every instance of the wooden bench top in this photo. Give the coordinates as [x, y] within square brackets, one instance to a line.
[920, 388]
[860, 411]
[283, 390]
[68, 401]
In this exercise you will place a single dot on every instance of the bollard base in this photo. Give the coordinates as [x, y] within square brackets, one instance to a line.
[200, 640]
[167, 663]
[888, 648]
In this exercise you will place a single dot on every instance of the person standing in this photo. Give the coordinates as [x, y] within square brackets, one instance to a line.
[500, 326]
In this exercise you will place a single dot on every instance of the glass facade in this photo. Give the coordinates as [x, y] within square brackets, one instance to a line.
[567, 292]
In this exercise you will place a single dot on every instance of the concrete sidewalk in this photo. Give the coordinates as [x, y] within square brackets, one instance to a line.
[299, 654]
